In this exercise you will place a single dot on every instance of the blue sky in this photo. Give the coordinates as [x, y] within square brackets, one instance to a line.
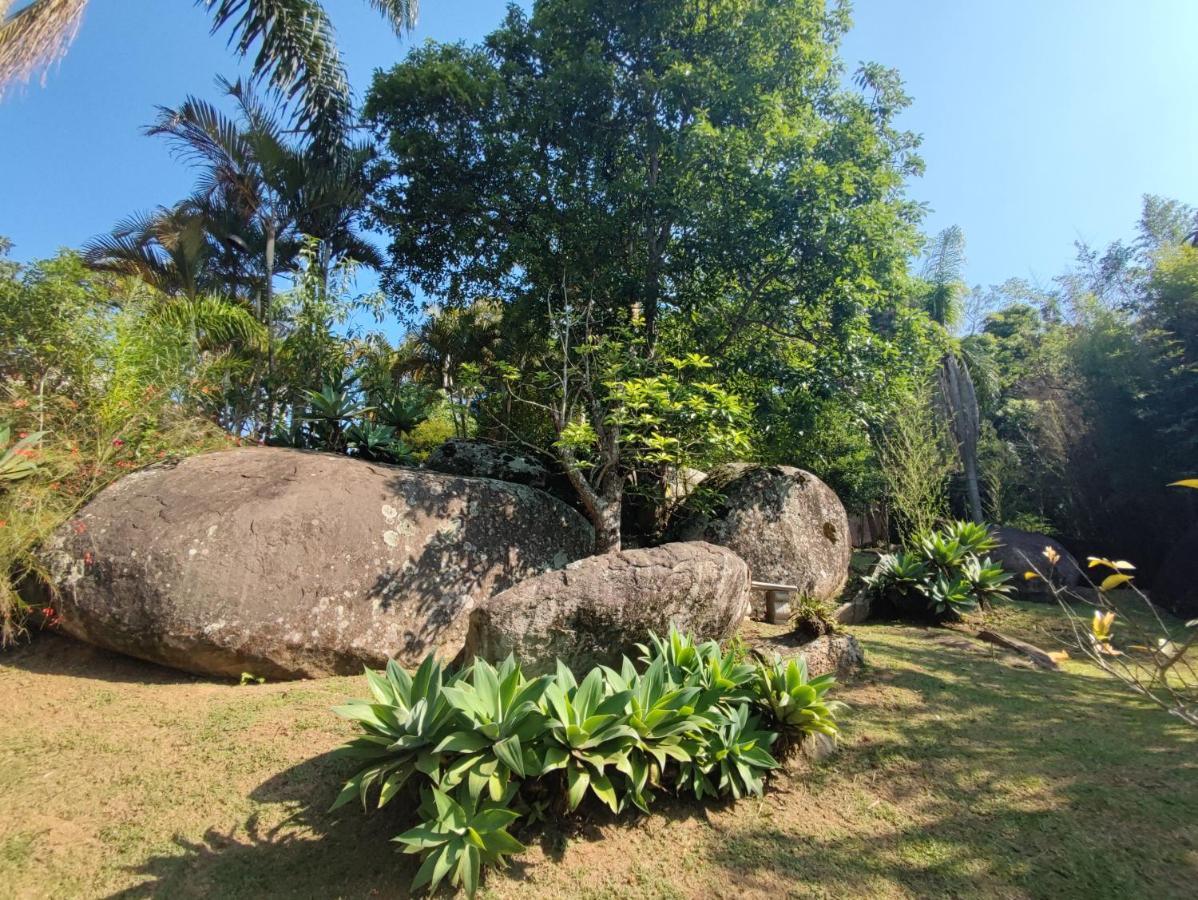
[1043, 122]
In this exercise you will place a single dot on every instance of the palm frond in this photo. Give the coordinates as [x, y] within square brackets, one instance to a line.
[402, 14]
[296, 54]
[35, 37]
[214, 321]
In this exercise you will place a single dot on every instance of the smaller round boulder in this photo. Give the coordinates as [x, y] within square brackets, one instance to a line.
[1023, 551]
[789, 526]
[598, 609]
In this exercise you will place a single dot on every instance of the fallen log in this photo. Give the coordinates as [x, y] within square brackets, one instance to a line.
[1040, 657]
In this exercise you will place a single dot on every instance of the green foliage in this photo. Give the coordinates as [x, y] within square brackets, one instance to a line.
[650, 207]
[485, 746]
[915, 465]
[942, 573]
[796, 702]
[98, 376]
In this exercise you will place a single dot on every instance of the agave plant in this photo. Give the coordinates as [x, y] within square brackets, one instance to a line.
[795, 703]
[722, 676]
[377, 443]
[458, 837]
[504, 722]
[735, 754]
[943, 574]
[662, 714]
[587, 732]
[404, 726]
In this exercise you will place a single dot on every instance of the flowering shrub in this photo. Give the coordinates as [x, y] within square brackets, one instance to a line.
[486, 747]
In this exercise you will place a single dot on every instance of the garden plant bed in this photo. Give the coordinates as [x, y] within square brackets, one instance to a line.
[959, 773]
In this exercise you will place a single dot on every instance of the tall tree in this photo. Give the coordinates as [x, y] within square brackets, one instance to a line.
[686, 178]
[942, 298]
[294, 47]
[260, 194]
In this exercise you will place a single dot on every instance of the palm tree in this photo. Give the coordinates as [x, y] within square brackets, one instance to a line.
[293, 40]
[260, 195]
[436, 352]
[941, 299]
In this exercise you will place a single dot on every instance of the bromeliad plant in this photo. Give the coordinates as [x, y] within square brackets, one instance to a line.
[943, 574]
[486, 746]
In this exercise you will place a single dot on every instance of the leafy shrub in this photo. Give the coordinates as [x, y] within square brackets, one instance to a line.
[485, 746]
[943, 573]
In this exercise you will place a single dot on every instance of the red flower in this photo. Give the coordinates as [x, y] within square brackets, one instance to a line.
[88, 559]
[3, 523]
[20, 404]
[117, 442]
[23, 434]
[79, 527]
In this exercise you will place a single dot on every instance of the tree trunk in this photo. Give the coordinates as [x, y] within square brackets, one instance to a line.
[606, 520]
[604, 504]
[960, 405]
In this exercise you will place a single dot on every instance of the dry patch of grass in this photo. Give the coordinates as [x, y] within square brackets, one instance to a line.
[961, 774]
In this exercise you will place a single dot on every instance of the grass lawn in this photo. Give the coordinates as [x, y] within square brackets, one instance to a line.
[962, 772]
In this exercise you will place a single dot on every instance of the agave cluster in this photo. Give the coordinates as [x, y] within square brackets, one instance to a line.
[944, 573]
[486, 746]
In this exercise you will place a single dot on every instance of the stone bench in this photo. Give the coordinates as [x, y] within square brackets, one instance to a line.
[777, 600]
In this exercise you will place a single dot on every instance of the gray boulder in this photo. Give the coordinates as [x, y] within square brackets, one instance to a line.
[596, 610]
[839, 654]
[1022, 551]
[480, 459]
[789, 526]
[287, 563]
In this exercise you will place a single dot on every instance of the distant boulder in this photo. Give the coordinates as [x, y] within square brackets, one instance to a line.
[482, 459]
[597, 609]
[1176, 584]
[1023, 551]
[789, 526]
[287, 563]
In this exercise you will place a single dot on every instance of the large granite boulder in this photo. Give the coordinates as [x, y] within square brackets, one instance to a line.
[1176, 584]
[1023, 551]
[596, 610]
[287, 563]
[789, 526]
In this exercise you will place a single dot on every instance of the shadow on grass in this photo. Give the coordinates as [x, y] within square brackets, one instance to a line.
[996, 781]
[315, 853]
[311, 853]
[960, 776]
[52, 653]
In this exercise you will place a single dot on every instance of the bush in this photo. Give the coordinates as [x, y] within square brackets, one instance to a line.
[486, 747]
[942, 574]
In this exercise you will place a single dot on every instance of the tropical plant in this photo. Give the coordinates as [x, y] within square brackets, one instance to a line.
[458, 838]
[735, 754]
[942, 573]
[486, 746]
[796, 703]
[292, 42]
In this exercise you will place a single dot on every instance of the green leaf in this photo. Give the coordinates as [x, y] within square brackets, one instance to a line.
[462, 742]
[578, 780]
[603, 789]
[511, 754]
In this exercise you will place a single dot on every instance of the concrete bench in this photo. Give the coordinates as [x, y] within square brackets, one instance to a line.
[777, 600]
